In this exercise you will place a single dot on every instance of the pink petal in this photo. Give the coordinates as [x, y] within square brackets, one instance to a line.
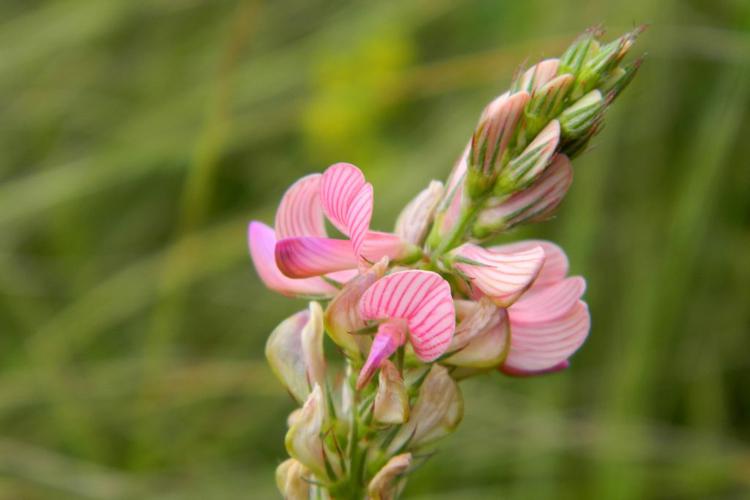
[262, 241]
[548, 303]
[359, 217]
[555, 266]
[424, 300]
[514, 372]
[377, 245]
[540, 346]
[390, 336]
[307, 256]
[501, 276]
[340, 184]
[300, 212]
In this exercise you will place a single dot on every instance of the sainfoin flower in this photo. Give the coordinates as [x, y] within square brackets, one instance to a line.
[297, 257]
[431, 303]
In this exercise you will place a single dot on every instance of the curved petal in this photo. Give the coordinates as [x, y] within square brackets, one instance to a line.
[548, 303]
[417, 216]
[340, 184]
[514, 372]
[307, 256]
[540, 346]
[555, 266]
[262, 241]
[390, 336]
[423, 299]
[359, 217]
[501, 276]
[300, 212]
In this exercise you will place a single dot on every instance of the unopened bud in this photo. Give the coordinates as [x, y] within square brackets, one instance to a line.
[547, 102]
[621, 78]
[437, 412]
[526, 167]
[293, 417]
[342, 314]
[391, 401]
[415, 219]
[581, 50]
[490, 141]
[303, 440]
[285, 355]
[581, 116]
[534, 204]
[482, 338]
[385, 484]
[537, 76]
[292, 480]
[312, 346]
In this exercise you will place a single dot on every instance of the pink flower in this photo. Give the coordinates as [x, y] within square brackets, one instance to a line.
[411, 304]
[294, 257]
[549, 322]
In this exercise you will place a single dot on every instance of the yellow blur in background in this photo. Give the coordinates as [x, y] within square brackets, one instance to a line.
[137, 139]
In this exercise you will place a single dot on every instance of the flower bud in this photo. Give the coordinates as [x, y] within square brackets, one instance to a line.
[547, 102]
[342, 314]
[526, 167]
[285, 355]
[581, 50]
[537, 76]
[291, 480]
[303, 440]
[391, 401]
[482, 338]
[293, 417]
[490, 141]
[312, 346]
[385, 484]
[581, 116]
[533, 204]
[620, 78]
[437, 412]
[415, 219]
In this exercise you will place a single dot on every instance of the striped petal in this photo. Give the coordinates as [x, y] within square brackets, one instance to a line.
[555, 266]
[550, 302]
[262, 241]
[300, 212]
[423, 299]
[501, 276]
[340, 184]
[359, 217]
[307, 256]
[538, 346]
[347, 201]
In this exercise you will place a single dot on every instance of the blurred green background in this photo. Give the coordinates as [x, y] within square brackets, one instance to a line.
[138, 138]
